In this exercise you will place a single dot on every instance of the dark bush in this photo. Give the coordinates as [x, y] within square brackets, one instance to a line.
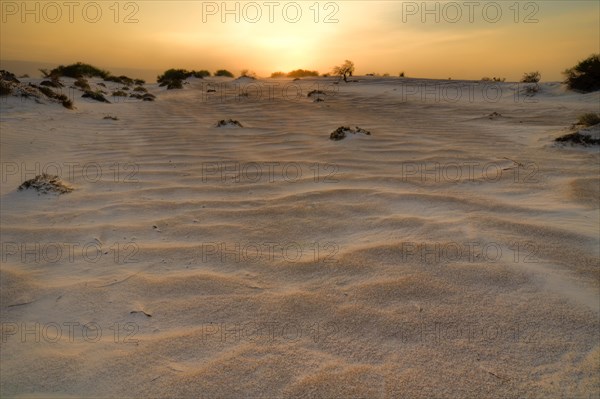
[200, 74]
[45, 184]
[585, 76]
[51, 83]
[589, 119]
[5, 88]
[174, 84]
[301, 73]
[82, 84]
[148, 97]
[224, 72]
[46, 91]
[315, 93]
[578, 138]
[531, 77]
[173, 74]
[8, 76]
[78, 70]
[112, 79]
[532, 89]
[124, 80]
[95, 96]
[173, 78]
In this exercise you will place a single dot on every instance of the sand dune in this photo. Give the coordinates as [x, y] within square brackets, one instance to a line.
[446, 255]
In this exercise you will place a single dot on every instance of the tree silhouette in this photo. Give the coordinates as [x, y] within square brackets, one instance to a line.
[344, 70]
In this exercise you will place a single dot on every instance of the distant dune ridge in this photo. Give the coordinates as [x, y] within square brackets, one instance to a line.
[451, 253]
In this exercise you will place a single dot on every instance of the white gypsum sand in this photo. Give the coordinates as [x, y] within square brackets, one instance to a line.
[447, 254]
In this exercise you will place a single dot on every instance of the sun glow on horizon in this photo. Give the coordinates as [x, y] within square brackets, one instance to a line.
[378, 36]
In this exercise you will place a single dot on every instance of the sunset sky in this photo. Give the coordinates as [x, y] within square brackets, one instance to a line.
[471, 39]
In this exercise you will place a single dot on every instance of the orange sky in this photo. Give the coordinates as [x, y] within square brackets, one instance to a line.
[469, 40]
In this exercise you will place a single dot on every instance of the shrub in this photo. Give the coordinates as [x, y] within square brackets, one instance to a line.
[200, 74]
[245, 73]
[589, 119]
[45, 184]
[112, 79]
[532, 89]
[83, 84]
[578, 138]
[46, 91]
[401, 74]
[229, 123]
[585, 76]
[45, 73]
[8, 76]
[301, 73]
[174, 84]
[78, 70]
[140, 88]
[494, 79]
[173, 74]
[224, 72]
[531, 77]
[119, 93]
[139, 82]
[341, 132]
[315, 92]
[278, 75]
[95, 96]
[51, 83]
[5, 89]
[124, 80]
[173, 78]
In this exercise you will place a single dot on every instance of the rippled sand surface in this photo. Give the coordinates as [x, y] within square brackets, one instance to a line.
[450, 254]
